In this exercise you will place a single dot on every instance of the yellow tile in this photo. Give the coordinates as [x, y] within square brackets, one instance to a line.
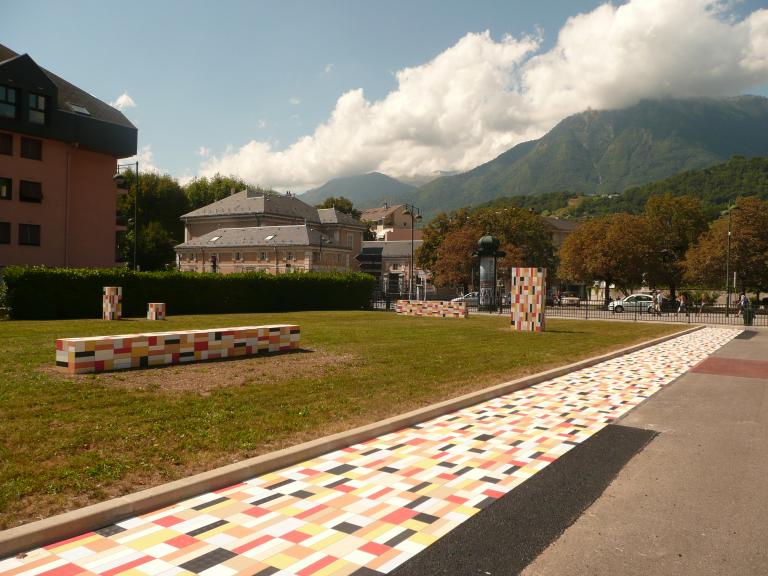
[281, 561]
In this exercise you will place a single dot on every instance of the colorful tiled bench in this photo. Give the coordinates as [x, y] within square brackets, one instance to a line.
[156, 311]
[432, 308]
[121, 352]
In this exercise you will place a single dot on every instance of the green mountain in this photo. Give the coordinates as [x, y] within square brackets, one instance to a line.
[364, 190]
[607, 152]
[717, 186]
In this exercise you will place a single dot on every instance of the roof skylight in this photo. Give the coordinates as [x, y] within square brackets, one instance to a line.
[79, 109]
[214, 239]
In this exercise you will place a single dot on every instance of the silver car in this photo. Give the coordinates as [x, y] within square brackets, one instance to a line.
[633, 303]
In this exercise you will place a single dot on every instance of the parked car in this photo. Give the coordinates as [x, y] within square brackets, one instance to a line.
[470, 299]
[632, 303]
[569, 299]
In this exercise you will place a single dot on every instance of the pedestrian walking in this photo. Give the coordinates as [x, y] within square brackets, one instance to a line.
[743, 303]
[681, 301]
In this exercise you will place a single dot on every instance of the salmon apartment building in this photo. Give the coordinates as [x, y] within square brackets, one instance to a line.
[59, 148]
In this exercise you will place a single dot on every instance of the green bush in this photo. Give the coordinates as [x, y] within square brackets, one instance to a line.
[56, 293]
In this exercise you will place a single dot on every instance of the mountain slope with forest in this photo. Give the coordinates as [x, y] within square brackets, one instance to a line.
[607, 152]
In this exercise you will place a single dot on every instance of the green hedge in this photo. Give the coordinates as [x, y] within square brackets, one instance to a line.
[56, 293]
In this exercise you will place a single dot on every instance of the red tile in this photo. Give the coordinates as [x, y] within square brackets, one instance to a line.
[295, 536]
[319, 565]
[127, 566]
[66, 570]
[253, 544]
[375, 549]
[182, 541]
[398, 516]
[167, 521]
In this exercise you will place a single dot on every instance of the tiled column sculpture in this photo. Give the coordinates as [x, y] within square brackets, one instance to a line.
[529, 289]
[112, 305]
[156, 311]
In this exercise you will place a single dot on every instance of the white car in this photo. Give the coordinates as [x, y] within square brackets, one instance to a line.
[633, 303]
[470, 299]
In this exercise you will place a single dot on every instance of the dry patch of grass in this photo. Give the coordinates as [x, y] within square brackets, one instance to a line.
[204, 377]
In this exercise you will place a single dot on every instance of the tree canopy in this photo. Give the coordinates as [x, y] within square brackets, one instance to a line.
[341, 204]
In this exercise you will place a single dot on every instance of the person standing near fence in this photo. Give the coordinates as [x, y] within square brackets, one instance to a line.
[681, 300]
[743, 303]
[659, 302]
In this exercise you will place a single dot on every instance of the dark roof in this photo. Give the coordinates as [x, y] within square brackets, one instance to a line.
[258, 202]
[391, 248]
[374, 214]
[560, 224]
[333, 216]
[262, 236]
[71, 94]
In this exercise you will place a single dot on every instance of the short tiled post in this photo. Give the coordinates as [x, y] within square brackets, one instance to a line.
[112, 303]
[156, 311]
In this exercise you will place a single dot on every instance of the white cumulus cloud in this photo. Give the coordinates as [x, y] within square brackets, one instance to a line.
[123, 102]
[295, 101]
[146, 160]
[481, 96]
[203, 151]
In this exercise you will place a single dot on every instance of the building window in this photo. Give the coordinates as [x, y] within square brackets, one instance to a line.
[6, 143]
[6, 189]
[263, 256]
[350, 239]
[37, 108]
[32, 148]
[29, 234]
[30, 191]
[290, 256]
[7, 102]
[236, 257]
[5, 232]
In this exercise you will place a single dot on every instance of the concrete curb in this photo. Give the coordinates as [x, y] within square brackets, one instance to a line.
[75, 522]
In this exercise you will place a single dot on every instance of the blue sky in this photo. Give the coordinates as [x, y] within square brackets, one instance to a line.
[235, 85]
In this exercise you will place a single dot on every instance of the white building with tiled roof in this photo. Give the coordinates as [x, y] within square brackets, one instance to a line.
[253, 230]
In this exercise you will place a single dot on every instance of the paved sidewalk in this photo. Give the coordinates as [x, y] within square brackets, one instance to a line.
[695, 501]
[369, 508]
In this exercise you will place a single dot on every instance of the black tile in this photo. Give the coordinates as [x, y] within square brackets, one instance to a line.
[463, 470]
[446, 447]
[268, 571]
[446, 464]
[336, 483]
[210, 503]
[340, 469]
[420, 500]
[395, 447]
[347, 527]
[484, 437]
[419, 487]
[477, 450]
[466, 427]
[204, 529]
[388, 469]
[368, 453]
[404, 535]
[511, 469]
[490, 479]
[485, 503]
[266, 499]
[516, 442]
[278, 485]
[205, 561]
[110, 530]
[426, 518]
[302, 494]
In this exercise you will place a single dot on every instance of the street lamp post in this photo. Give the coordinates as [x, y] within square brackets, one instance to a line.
[120, 181]
[413, 212]
[322, 239]
[728, 264]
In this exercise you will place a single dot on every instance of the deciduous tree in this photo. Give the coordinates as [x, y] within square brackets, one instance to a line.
[613, 249]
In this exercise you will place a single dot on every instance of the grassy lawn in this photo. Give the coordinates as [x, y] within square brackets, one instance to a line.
[71, 441]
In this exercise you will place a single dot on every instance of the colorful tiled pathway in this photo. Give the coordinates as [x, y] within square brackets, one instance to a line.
[375, 504]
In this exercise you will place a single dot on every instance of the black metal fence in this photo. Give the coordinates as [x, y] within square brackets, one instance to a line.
[597, 309]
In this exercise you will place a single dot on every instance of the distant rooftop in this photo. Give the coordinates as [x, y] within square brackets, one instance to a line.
[261, 236]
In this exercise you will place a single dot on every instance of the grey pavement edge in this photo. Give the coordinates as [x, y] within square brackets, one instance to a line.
[695, 500]
[75, 522]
